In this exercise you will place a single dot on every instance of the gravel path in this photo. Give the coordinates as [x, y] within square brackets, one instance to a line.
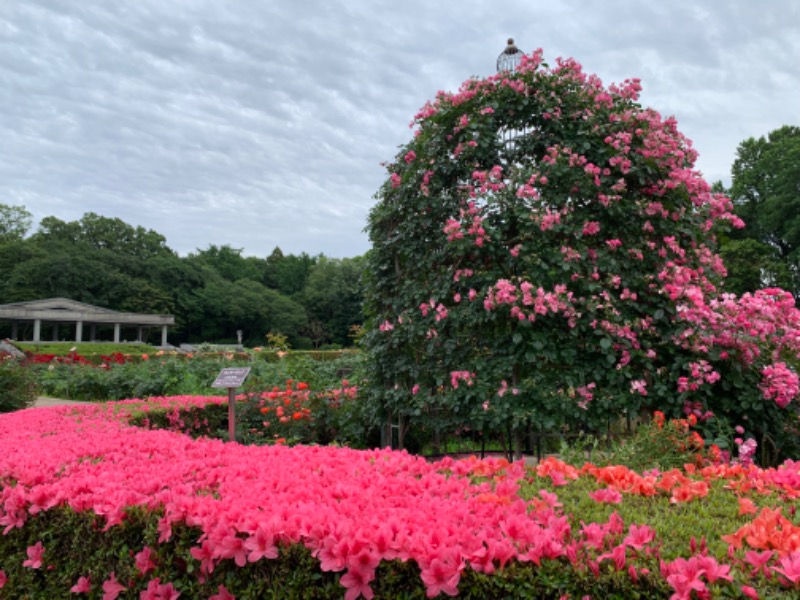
[43, 401]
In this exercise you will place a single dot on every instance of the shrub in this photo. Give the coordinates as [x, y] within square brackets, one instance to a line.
[296, 414]
[17, 385]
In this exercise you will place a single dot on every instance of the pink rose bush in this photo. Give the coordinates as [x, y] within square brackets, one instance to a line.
[568, 244]
[352, 511]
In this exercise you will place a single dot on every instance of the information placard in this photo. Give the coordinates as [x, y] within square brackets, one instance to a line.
[231, 378]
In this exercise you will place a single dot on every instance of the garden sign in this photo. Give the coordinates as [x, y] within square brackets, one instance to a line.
[231, 379]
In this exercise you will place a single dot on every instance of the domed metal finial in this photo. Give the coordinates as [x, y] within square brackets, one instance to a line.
[509, 58]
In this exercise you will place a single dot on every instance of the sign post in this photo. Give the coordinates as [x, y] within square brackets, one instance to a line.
[231, 379]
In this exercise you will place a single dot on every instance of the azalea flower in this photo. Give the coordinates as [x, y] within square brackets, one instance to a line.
[441, 574]
[758, 560]
[790, 568]
[82, 586]
[357, 583]
[35, 553]
[112, 588]
[639, 536]
[143, 561]
[222, 594]
[606, 495]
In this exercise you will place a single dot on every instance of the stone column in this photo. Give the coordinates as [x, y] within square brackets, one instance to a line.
[139, 334]
[79, 331]
[14, 332]
[93, 332]
[116, 333]
[37, 330]
[55, 331]
[163, 336]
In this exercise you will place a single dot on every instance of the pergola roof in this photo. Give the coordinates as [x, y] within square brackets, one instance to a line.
[63, 309]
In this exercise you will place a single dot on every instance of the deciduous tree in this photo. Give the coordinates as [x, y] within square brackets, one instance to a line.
[766, 191]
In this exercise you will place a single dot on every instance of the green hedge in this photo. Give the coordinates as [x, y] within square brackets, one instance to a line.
[17, 385]
[76, 546]
[84, 348]
[170, 375]
[319, 355]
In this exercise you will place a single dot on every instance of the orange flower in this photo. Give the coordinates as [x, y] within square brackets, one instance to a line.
[770, 530]
[297, 416]
[302, 385]
[746, 507]
[689, 491]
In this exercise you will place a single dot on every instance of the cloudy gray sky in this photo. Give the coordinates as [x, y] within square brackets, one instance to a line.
[263, 123]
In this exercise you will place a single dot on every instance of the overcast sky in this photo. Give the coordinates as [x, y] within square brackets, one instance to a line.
[263, 123]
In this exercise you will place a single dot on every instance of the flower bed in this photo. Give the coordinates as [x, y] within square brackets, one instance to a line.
[91, 504]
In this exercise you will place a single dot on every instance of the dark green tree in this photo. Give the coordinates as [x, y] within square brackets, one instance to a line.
[765, 189]
[104, 233]
[15, 221]
[288, 273]
[230, 263]
[225, 307]
[333, 297]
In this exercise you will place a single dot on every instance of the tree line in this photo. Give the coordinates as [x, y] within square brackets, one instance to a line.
[314, 301]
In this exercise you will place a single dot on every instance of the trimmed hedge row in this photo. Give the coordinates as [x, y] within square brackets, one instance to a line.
[77, 546]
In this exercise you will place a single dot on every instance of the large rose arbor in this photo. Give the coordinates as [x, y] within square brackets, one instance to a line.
[544, 257]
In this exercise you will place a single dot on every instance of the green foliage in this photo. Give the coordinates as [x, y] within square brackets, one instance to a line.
[118, 382]
[288, 273]
[207, 421]
[169, 375]
[332, 297]
[765, 189]
[89, 350]
[17, 385]
[247, 305]
[753, 264]
[15, 221]
[319, 417]
[318, 355]
[277, 342]
[230, 264]
[650, 446]
[675, 524]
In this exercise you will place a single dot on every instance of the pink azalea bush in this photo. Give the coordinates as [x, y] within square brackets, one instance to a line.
[220, 507]
[545, 233]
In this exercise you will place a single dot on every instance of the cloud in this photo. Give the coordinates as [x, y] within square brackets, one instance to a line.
[264, 124]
